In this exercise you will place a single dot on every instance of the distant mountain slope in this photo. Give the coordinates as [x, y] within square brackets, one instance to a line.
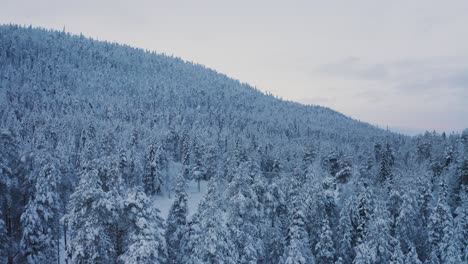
[79, 77]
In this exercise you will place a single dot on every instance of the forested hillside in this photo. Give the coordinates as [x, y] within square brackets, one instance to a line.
[94, 133]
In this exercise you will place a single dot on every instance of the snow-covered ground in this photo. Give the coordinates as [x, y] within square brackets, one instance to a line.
[163, 202]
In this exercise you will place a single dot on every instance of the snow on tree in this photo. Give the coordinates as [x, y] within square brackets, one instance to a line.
[386, 163]
[397, 255]
[87, 219]
[96, 122]
[324, 249]
[13, 179]
[152, 175]
[345, 232]
[40, 219]
[3, 237]
[445, 246]
[461, 223]
[412, 256]
[407, 223]
[298, 249]
[198, 170]
[145, 233]
[274, 212]
[362, 213]
[207, 239]
[376, 247]
[176, 221]
[243, 213]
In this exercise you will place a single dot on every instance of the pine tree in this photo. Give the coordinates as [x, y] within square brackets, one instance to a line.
[412, 256]
[461, 223]
[40, 219]
[297, 241]
[274, 211]
[207, 238]
[363, 254]
[243, 213]
[3, 237]
[152, 177]
[407, 222]
[210, 163]
[362, 213]
[198, 170]
[307, 160]
[386, 162]
[124, 166]
[345, 234]
[397, 255]
[441, 232]
[176, 221]
[449, 246]
[324, 250]
[90, 242]
[294, 254]
[378, 238]
[463, 171]
[145, 231]
[12, 196]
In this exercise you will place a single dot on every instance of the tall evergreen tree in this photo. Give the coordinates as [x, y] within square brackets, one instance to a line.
[13, 196]
[207, 239]
[40, 219]
[386, 162]
[152, 177]
[243, 213]
[412, 256]
[378, 237]
[461, 223]
[3, 237]
[324, 250]
[145, 234]
[198, 170]
[298, 249]
[345, 234]
[176, 222]
[407, 223]
[397, 255]
[441, 232]
[87, 219]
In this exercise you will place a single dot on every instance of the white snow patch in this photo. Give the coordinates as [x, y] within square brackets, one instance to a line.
[163, 202]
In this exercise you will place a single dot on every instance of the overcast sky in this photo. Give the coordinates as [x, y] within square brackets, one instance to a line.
[401, 64]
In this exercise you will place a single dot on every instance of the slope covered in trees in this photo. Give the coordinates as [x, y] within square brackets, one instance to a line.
[91, 132]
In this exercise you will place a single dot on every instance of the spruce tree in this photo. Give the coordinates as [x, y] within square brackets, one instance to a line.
[345, 234]
[152, 178]
[407, 223]
[412, 256]
[198, 170]
[40, 219]
[461, 223]
[3, 237]
[145, 233]
[445, 246]
[243, 213]
[176, 221]
[207, 238]
[397, 255]
[297, 248]
[324, 250]
[386, 162]
[378, 238]
[87, 218]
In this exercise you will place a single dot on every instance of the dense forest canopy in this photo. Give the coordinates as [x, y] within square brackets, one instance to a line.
[94, 133]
